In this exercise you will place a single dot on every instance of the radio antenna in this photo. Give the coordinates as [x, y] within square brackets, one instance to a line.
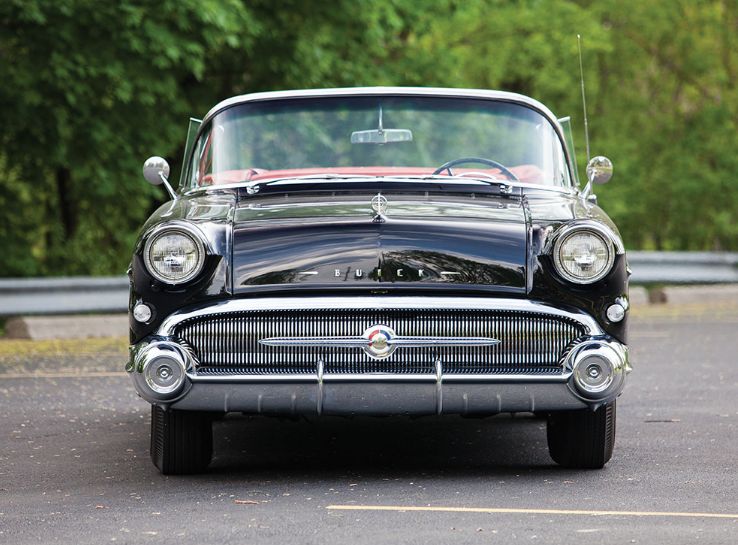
[584, 96]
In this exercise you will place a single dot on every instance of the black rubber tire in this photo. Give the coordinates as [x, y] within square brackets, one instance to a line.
[582, 439]
[181, 441]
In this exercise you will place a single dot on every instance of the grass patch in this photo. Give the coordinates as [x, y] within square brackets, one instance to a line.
[716, 310]
[11, 348]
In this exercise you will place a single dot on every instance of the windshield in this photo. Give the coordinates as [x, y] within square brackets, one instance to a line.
[405, 136]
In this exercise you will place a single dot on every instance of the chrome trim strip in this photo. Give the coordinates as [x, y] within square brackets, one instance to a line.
[447, 180]
[380, 377]
[351, 342]
[367, 344]
[362, 342]
[377, 377]
[283, 379]
[562, 377]
[439, 387]
[321, 393]
[505, 187]
[380, 91]
[443, 341]
[233, 185]
[378, 303]
[533, 359]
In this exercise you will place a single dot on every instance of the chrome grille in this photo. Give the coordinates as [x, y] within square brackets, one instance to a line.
[531, 342]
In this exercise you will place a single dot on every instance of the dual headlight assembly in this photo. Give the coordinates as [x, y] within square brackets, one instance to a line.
[174, 253]
[584, 253]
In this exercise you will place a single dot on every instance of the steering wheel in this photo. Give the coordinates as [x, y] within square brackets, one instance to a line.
[499, 166]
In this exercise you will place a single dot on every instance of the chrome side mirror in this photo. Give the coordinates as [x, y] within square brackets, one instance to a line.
[156, 172]
[599, 170]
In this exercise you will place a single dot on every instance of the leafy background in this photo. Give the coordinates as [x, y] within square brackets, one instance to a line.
[89, 89]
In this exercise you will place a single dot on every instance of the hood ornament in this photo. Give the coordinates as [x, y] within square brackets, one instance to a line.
[378, 341]
[379, 205]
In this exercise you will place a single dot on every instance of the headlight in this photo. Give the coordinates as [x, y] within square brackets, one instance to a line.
[174, 255]
[583, 254]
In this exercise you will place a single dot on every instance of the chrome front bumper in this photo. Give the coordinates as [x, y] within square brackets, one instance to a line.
[380, 393]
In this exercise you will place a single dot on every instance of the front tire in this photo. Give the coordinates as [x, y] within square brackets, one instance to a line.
[582, 439]
[181, 441]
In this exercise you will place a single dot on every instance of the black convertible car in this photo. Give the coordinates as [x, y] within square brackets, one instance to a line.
[379, 251]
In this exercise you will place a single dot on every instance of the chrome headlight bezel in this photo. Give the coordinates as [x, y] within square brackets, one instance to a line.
[177, 228]
[600, 231]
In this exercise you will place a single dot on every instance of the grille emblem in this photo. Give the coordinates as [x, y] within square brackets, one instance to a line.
[378, 341]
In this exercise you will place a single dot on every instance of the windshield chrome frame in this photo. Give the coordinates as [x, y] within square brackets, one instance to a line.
[497, 96]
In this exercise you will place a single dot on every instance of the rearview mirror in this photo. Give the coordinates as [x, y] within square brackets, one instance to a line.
[381, 136]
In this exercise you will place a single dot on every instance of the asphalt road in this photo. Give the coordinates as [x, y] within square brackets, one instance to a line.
[74, 465]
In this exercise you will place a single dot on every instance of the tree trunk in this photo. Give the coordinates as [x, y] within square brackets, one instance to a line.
[67, 207]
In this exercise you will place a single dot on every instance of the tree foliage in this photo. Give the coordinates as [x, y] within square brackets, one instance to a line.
[90, 89]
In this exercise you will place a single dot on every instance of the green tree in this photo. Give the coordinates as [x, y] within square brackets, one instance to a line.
[89, 88]
[661, 83]
[670, 108]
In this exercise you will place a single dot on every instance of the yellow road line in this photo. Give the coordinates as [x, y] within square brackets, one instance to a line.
[89, 374]
[499, 510]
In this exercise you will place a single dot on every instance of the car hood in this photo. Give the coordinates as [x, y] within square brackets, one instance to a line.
[341, 243]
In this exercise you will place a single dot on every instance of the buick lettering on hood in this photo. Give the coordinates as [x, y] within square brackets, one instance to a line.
[379, 251]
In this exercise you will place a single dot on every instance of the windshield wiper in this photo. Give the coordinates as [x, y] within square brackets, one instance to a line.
[253, 187]
[480, 178]
[324, 176]
[504, 186]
